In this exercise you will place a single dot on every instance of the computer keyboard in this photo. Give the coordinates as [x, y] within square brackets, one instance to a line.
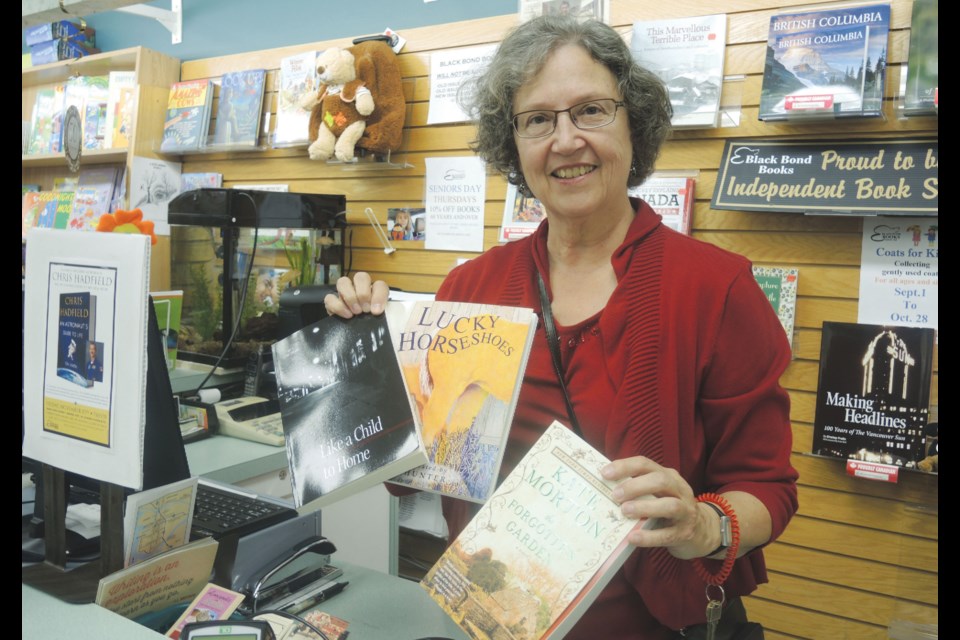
[219, 512]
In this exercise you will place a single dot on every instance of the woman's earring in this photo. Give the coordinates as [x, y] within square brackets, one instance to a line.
[633, 169]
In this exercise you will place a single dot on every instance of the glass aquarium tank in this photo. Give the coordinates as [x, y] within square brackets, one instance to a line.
[234, 252]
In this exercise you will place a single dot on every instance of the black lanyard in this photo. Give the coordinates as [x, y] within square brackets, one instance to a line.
[554, 342]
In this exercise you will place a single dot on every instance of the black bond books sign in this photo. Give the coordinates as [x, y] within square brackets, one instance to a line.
[859, 177]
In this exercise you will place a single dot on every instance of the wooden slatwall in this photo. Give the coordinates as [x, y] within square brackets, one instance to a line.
[859, 554]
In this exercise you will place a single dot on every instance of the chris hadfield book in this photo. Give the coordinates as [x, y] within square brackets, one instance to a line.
[874, 393]
[830, 62]
[463, 365]
[346, 418]
[540, 550]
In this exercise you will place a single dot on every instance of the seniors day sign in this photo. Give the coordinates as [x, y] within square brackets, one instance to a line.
[860, 177]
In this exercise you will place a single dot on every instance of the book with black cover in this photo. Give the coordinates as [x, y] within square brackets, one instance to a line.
[873, 395]
[826, 62]
[346, 418]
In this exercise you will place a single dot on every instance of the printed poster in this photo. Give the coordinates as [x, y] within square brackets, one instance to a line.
[899, 272]
[153, 184]
[448, 70]
[456, 190]
[80, 348]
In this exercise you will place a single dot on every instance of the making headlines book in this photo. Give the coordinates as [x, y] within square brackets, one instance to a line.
[873, 395]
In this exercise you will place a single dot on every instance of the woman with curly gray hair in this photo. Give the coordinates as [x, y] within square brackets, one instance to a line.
[658, 349]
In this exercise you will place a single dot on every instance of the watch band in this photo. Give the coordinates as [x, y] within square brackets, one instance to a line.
[726, 529]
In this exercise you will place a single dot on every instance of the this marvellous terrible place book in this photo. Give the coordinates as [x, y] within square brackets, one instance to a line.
[346, 418]
[873, 395]
[463, 365]
[540, 550]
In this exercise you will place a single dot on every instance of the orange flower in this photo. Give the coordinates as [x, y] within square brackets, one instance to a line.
[127, 222]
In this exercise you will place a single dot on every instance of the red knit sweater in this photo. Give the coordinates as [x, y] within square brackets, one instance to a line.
[682, 366]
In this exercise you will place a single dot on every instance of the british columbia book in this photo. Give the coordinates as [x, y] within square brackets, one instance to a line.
[346, 418]
[539, 551]
[873, 394]
[830, 62]
[463, 365]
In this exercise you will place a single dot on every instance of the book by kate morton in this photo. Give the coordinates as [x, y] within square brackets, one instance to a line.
[540, 550]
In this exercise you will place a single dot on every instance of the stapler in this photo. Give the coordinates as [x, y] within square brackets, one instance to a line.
[288, 577]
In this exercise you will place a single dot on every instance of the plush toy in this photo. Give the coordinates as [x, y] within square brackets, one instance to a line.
[360, 102]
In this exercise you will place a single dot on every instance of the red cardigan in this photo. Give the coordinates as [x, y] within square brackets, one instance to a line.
[690, 352]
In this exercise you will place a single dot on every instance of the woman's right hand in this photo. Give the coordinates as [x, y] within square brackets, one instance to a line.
[356, 296]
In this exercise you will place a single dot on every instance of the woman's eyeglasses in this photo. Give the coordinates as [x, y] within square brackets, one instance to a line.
[586, 115]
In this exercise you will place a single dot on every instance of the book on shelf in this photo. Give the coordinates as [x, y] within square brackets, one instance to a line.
[521, 215]
[540, 550]
[169, 307]
[64, 209]
[46, 120]
[240, 108]
[670, 196]
[212, 603]
[873, 393]
[687, 54]
[30, 212]
[94, 196]
[347, 421]
[826, 62]
[95, 112]
[463, 365]
[298, 78]
[47, 213]
[188, 116]
[779, 284]
[191, 181]
[920, 82]
[121, 99]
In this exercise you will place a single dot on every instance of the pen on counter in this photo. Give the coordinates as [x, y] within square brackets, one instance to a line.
[313, 600]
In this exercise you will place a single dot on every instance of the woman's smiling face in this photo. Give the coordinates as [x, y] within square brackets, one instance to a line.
[574, 172]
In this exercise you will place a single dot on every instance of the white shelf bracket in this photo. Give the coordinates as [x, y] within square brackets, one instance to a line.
[171, 20]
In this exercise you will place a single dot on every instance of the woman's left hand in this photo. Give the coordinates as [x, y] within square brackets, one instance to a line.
[646, 489]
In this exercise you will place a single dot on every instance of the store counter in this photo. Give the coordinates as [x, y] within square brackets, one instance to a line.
[377, 606]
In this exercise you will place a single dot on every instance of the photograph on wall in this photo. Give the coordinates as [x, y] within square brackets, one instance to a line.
[407, 223]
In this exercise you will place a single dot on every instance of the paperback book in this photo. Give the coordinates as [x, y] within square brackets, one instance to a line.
[188, 116]
[298, 78]
[347, 422]
[828, 62]
[121, 100]
[212, 603]
[873, 393]
[542, 548]
[241, 103]
[687, 54]
[780, 286]
[521, 215]
[463, 366]
[169, 308]
[920, 82]
[671, 197]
